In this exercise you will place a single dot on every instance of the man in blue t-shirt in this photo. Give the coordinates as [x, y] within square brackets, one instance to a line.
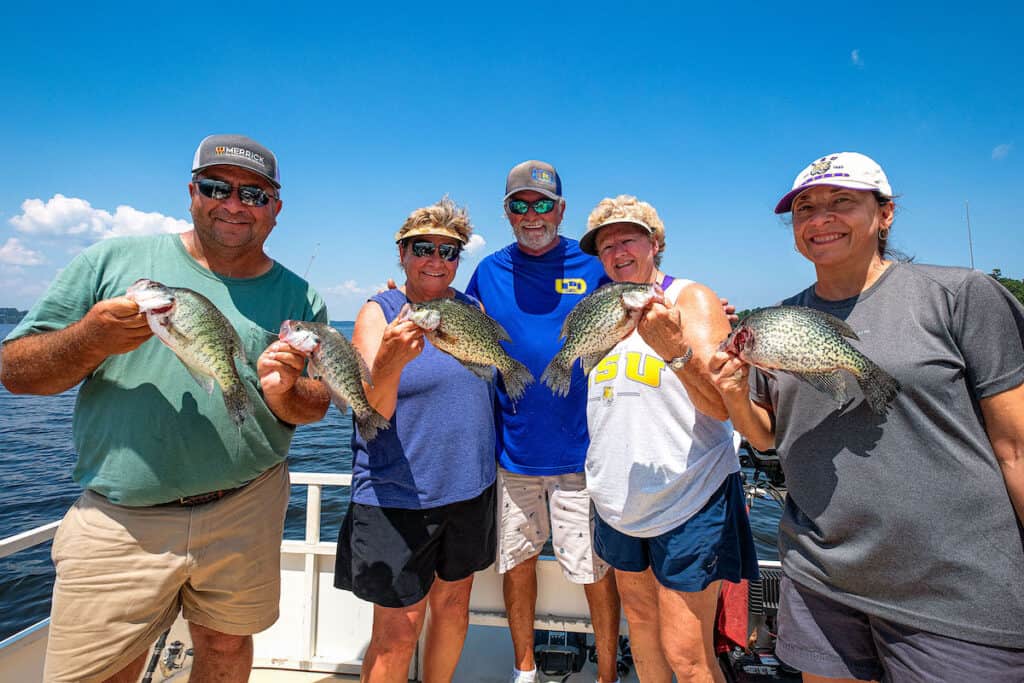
[529, 287]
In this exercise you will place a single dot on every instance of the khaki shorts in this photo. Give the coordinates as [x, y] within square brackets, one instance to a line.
[530, 508]
[123, 574]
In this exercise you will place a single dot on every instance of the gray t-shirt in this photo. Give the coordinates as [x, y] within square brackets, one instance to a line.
[906, 516]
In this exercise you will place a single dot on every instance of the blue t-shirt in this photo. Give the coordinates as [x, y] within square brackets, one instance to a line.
[541, 434]
[440, 447]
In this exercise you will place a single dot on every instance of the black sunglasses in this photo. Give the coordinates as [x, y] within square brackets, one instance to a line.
[250, 195]
[449, 252]
[520, 206]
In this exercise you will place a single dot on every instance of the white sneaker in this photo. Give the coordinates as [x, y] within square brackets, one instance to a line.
[523, 676]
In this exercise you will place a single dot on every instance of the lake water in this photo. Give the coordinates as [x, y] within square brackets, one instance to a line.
[36, 460]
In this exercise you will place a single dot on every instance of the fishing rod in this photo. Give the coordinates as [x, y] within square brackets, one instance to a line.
[310, 264]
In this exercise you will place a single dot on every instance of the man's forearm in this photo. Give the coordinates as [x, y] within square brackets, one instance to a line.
[305, 402]
[50, 362]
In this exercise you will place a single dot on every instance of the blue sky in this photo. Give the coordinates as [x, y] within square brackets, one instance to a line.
[707, 113]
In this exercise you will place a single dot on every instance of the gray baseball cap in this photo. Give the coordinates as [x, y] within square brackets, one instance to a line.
[534, 175]
[236, 150]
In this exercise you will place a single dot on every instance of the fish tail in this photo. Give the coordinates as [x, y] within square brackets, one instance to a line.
[369, 422]
[557, 376]
[879, 388]
[516, 377]
[236, 400]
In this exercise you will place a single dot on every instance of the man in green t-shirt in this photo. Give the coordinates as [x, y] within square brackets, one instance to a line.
[182, 508]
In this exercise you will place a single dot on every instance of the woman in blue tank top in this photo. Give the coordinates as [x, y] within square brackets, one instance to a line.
[421, 519]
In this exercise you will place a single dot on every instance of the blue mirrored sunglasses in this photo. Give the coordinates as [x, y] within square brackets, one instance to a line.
[520, 206]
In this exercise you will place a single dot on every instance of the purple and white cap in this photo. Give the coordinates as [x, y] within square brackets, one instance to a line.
[842, 169]
[237, 150]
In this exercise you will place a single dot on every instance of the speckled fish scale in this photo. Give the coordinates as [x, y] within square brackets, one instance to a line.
[593, 327]
[811, 345]
[202, 338]
[336, 362]
[473, 338]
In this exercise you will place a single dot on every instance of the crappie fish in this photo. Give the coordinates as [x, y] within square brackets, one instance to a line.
[334, 361]
[594, 326]
[810, 345]
[198, 334]
[472, 337]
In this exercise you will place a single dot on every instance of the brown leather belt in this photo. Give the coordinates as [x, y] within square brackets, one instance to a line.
[203, 498]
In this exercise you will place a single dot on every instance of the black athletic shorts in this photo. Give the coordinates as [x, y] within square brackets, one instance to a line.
[389, 556]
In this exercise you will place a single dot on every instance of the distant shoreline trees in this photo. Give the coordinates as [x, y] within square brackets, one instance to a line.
[1016, 287]
[11, 316]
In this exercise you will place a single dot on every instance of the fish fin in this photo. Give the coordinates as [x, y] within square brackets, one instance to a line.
[337, 399]
[239, 351]
[832, 383]
[364, 370]
[315, 371]
[838, 324]
[371, 422]
[496, 328]
[516, 377]
[484, 372]
[205, 381]
[588, 361]
[236, 400]
[557, 376]
[879, 388]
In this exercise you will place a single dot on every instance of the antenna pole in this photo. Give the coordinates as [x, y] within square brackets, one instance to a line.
[970, 242]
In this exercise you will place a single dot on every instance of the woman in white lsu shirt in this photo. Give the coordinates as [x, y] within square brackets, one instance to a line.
[662, 468]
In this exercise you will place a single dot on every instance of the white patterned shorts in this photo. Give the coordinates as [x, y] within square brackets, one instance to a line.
[531, 508]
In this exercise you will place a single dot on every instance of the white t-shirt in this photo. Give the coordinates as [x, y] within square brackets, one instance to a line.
[654, 460]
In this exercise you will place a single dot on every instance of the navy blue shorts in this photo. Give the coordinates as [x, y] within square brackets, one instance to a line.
[823, 637]
[716, 543]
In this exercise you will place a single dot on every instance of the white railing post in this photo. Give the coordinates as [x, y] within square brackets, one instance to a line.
[311, 577]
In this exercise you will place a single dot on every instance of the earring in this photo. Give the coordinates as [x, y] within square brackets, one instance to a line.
[883, 234]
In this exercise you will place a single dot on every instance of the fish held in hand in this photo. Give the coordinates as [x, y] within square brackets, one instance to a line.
[335, 362]
[811, 345]
[473, 338]
[200, 336]
[595, 325]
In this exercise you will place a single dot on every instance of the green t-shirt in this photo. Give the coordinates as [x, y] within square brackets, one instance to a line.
[145, 431]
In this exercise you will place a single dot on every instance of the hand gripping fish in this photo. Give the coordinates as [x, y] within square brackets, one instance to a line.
[595, 325]
[811, 345]
[335, 362]
[472, 337]
[200, 336]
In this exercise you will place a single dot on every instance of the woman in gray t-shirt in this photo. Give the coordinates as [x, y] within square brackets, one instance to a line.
[901, 540]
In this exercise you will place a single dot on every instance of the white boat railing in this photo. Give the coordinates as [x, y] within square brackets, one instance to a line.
[323, 629]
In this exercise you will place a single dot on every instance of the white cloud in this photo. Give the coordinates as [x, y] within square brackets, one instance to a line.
[62, 215]
[352, 288]
[856, 59]
[1002, 151]
[14, 253]
[475, 245]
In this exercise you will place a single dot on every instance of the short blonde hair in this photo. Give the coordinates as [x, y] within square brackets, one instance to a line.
[624, 209]
[444, 218]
